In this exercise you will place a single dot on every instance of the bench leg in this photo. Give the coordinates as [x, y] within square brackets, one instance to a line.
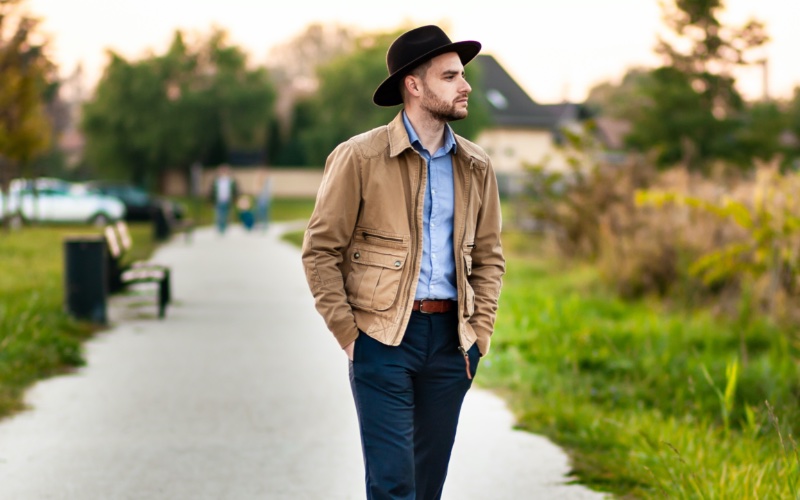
[164, 295]
[168, 286]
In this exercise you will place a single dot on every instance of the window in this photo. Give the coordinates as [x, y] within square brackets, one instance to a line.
[497, 99]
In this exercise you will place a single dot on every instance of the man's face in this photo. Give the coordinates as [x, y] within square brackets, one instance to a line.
[444, 89]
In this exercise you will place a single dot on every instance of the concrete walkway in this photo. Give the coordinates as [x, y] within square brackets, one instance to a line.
[240, 393]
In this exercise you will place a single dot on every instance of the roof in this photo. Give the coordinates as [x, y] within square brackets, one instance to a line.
[612, 132]
[509, 105]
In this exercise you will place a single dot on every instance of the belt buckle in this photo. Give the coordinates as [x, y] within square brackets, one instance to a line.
[422, 304]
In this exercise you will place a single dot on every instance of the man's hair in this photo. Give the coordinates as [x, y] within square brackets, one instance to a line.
[420, 72]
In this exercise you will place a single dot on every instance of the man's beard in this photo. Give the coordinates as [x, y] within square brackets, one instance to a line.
[440, 109]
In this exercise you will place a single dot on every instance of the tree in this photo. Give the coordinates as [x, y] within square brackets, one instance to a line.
[293, 68]
[198, 102]
[676, 122]
[343, 107]
[793, 123]
[691, 103]
[619, 100]
[296, 61]
[761, 131]
[27, 79]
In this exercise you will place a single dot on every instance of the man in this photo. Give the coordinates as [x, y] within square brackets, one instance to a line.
[403, 257]
[224, 192]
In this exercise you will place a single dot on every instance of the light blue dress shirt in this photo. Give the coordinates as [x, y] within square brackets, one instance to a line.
[437, 275]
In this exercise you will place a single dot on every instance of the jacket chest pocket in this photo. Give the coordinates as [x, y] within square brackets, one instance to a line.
[374, 276]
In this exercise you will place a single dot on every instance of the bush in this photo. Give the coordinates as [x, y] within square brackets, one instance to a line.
[761, 255]
[730, 237]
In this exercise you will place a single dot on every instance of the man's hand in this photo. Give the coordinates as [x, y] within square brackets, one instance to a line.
[348, 349]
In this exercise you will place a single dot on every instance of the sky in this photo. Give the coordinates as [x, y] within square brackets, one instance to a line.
[556, 50]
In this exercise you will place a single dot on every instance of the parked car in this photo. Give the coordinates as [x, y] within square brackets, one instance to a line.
[139, 204]
[54, 200]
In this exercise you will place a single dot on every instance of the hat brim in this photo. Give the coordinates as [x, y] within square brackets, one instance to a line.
[388, 92]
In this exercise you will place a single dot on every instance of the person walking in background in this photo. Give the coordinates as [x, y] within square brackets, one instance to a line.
[263, 202]
[244, 206]
[224, 192]
[402, 254]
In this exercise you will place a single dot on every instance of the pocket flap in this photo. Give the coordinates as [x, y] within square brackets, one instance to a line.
[376, 258]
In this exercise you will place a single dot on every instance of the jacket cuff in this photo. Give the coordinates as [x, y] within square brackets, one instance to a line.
[347, 338]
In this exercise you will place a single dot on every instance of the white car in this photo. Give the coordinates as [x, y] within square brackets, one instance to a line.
[54, 200]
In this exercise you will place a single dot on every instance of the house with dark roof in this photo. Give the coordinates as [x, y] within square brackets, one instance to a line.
[522, 131]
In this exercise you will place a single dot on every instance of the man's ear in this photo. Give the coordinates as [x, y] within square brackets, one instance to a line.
[412, 85]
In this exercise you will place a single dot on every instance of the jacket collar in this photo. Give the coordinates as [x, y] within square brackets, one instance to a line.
[398, 137]
[399, 142]
[449, 137]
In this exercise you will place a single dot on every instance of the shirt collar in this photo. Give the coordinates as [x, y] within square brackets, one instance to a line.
[449, 139]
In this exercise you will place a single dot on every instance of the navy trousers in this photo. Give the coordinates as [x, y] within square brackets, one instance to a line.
[408, 399]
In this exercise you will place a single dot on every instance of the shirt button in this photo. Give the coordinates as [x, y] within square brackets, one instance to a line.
[397, 263]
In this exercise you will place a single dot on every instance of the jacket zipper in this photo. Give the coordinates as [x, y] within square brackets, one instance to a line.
[463, 272]
[414, 249]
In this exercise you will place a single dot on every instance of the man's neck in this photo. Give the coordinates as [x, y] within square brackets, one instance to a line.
[429, 130]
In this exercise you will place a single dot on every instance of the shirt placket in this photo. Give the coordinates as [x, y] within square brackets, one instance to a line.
[435, 220]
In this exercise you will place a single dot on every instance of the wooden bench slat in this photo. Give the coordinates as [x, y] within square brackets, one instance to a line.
[119, 243]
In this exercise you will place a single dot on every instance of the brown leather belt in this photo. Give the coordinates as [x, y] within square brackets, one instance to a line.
[430, 306]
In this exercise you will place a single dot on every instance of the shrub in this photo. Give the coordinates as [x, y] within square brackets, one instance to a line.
[758, 248]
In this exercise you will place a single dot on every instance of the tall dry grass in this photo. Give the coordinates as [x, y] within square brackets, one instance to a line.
[729, 239]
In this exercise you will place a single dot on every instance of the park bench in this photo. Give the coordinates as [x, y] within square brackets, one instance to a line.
[167, 223]
[121, 274]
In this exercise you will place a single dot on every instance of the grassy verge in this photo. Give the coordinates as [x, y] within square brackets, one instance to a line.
[291, 209]
[281, 209]
[37, 338]
[650, 403]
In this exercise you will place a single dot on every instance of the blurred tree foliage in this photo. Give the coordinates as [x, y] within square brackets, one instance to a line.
[198, 102]
[293, 68]
[688, 111]
[27, 83]
[761, 133]
[619, 100]
[793, 124]
[342, 106]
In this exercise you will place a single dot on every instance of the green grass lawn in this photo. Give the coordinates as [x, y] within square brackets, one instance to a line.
[291, 209]
[37, 337]
[281, 209]
[649, 402]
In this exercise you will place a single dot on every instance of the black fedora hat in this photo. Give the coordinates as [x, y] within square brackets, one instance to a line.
[413, 48]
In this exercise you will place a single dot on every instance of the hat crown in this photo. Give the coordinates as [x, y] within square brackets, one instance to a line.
[413, 48]
[412, 44]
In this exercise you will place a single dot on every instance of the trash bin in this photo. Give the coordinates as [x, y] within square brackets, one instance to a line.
[85, 282]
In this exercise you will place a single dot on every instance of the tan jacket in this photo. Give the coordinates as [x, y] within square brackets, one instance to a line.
[363, 245]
